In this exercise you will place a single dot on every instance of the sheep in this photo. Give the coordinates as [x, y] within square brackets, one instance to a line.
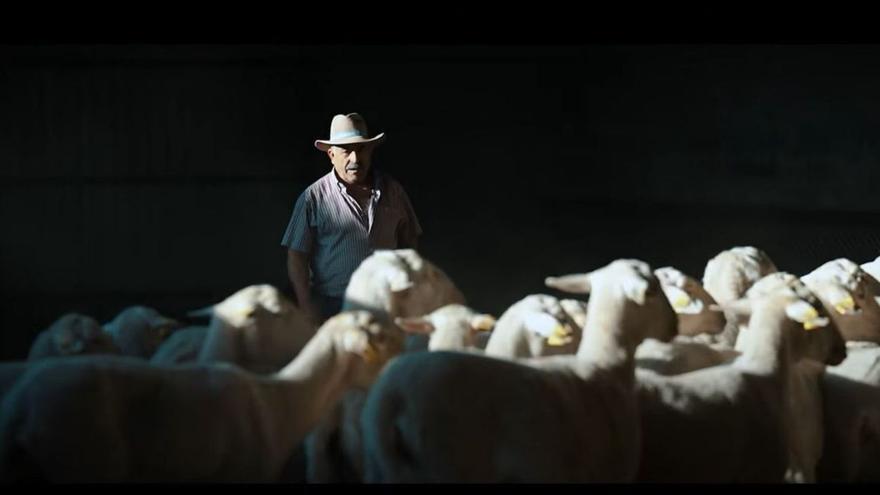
[261, 348]
[691, 302]
[463, 417]
[400, 283]
[697, 323]
[754, 420]
[333, 449]
[183, 346]
[139, 330]
[114, 419]
[453, 327]
[851, 396]
[72, 334]
[852, 430]
[729, 275]
[538, 325]
[855, 304]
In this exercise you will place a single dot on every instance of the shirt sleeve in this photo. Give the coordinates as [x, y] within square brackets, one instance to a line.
[300, 233]
[410, 229]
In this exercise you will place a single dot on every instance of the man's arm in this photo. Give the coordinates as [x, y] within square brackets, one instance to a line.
[298, 273]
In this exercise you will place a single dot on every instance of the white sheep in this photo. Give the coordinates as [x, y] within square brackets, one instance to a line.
[114, 419]
[852, 430]
[70, 335]
[139, 330]
[729, 275]
[699, 321]
[464, 417]
[183, 346]
[754, 420]
[855, 304]
[333, 448]
[453, 327]
[261, 346]
[538, 325]
[851, 390]
[400, 283]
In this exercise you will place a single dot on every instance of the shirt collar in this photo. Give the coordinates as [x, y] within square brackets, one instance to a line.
[378, 182]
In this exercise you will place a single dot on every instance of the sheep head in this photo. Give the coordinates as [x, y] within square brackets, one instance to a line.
[730, 273]
[363, 342]
[628, 289]
[691, 302]
[849, 294]
[823, 342]
[139, 330]
[408, 285]
[452, 327]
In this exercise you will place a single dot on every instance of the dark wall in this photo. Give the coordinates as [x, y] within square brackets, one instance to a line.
[165, 175]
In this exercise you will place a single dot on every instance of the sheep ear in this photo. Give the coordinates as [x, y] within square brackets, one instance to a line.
[558, 339]
[741, 308]
[399, 281]
[482, 323]
[804, 312]
[357, 342]
[845, 305]
[576, 283]
[635, 290]
[415, 324]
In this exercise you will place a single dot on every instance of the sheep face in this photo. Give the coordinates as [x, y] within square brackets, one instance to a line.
[691, 302]
[364, 343]
[452, 327]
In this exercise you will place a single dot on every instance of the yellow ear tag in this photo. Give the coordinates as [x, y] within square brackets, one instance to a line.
[681, 301]
[561, 335]
[846, 305]
[815, 323]
[484, 323]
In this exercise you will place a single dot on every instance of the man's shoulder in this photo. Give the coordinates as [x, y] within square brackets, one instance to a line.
[319, 187]
[390, 183]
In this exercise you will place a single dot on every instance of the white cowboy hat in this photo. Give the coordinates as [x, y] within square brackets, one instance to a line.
[348, 129]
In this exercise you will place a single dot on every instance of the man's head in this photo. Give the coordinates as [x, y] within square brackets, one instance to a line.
[352, 161]
[349, 148]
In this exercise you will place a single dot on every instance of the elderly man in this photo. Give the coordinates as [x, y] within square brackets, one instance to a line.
[343, 217]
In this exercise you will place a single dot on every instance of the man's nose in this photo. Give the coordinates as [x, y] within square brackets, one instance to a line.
[353, 157]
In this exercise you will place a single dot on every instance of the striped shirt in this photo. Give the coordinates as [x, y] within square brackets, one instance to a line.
[328, 224]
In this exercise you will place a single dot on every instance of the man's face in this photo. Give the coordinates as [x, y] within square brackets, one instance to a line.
[352, 161]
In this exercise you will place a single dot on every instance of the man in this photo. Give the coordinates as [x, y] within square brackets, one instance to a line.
[343, 217]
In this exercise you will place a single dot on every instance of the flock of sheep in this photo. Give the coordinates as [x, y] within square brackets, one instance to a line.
[752, 375]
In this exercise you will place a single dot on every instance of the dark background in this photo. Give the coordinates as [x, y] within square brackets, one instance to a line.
[165, 174]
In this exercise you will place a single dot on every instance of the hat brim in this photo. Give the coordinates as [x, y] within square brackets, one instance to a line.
[324, 145]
